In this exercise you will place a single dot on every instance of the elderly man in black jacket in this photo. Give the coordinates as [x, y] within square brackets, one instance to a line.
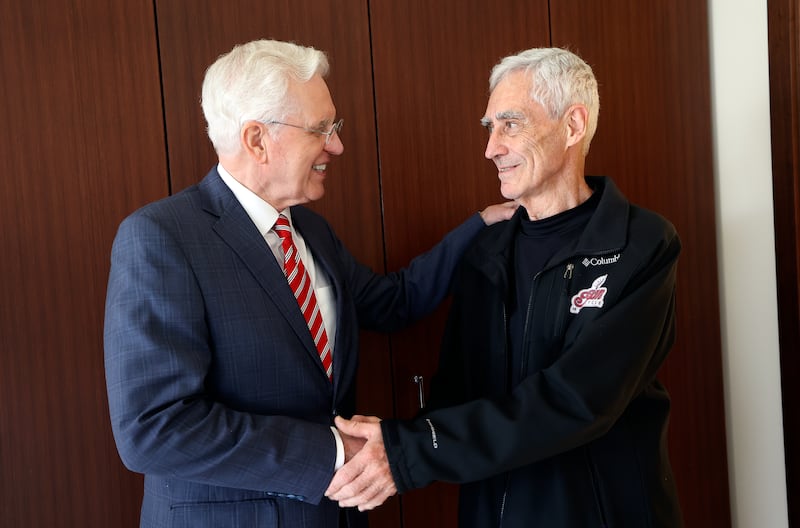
[546, 405]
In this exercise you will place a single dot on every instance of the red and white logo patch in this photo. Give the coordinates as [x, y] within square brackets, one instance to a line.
[590, 297]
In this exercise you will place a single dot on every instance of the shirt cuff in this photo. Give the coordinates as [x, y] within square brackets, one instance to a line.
[339, 449]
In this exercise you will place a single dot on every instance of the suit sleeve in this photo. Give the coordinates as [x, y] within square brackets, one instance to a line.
[157, 357]
[575, 400]
[390, 302]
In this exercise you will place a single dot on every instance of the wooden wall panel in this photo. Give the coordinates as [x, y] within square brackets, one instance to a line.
[86, 145]
[83, 147]
[784, 73]
[432, 61]
[192, 34]
[654, 139]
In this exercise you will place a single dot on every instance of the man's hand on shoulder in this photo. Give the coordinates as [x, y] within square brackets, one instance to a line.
[498, 212]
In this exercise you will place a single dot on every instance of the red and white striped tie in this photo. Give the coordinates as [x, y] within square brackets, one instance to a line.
[300, 283]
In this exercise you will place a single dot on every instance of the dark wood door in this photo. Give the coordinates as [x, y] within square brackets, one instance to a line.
[101, 102]
[83, 145]
[784, 81]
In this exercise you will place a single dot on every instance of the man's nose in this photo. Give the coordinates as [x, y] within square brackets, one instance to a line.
[494, 147]
[334, 145]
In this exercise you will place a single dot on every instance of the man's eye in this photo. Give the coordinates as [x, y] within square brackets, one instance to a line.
[509, 128]
[512, 128]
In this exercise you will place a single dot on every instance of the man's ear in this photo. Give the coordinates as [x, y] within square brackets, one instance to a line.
[577, 119]
[254, 139]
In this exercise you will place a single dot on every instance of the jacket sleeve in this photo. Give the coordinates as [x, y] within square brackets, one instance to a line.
[390, 302]
[578, 398]
[157, 357]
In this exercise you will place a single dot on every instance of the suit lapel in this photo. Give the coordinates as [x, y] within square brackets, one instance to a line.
[239, 232]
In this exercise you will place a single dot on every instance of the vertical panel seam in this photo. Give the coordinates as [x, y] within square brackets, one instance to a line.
[163, 99]
[392, 373]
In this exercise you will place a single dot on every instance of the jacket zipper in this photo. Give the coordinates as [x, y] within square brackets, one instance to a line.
[568, 279]
[508, 475]
[523, 368]
[568, 271]
[595, 487]
[503, 501]
[522, 365]
[562, 307]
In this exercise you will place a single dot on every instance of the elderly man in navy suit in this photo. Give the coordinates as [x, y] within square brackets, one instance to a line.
[233, 312]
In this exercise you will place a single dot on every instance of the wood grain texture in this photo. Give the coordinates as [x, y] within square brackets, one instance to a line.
[784, 79]
[85, 147]
[91, 139]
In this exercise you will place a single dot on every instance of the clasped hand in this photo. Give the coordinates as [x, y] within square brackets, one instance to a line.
[365, 480]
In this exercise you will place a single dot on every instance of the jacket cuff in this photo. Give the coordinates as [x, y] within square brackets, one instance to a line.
[396, 455]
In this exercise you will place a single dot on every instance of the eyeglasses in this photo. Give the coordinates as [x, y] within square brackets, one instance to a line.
[335, 128]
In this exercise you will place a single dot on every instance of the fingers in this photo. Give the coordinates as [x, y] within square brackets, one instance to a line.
[353, 436]
[371, 496]
[345, 475]
[351, 444]
[366, 480]
[368, 419]
[359, 426]
[377, 500]
[498, 212]
[373, 490]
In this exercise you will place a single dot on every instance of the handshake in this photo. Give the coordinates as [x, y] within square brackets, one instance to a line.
[365, 480]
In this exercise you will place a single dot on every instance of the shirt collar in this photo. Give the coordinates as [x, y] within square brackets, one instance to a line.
[260, 212]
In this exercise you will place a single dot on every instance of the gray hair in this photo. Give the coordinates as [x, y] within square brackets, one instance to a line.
[559, 79]
[250, 83]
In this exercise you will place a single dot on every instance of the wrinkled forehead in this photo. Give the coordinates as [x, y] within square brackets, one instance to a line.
[311, 100]
[510, 99]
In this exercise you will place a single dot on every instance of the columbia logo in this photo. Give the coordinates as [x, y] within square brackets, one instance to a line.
[599, 261]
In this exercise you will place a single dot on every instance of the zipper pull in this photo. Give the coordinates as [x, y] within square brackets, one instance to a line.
[568, 272]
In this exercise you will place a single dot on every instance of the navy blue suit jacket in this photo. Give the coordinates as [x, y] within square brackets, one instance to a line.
[215, 388]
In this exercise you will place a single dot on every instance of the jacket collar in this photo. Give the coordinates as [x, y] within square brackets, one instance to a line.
[606, 232]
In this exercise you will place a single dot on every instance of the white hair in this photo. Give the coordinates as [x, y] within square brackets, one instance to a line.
[559, 79]
[250, 83]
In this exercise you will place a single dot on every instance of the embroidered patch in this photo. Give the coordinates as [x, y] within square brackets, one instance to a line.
[590, 297]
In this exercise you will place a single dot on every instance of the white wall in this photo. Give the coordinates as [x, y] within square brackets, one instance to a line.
[745, 239]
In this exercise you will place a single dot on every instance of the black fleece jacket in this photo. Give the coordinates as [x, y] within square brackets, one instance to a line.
[580, 441]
